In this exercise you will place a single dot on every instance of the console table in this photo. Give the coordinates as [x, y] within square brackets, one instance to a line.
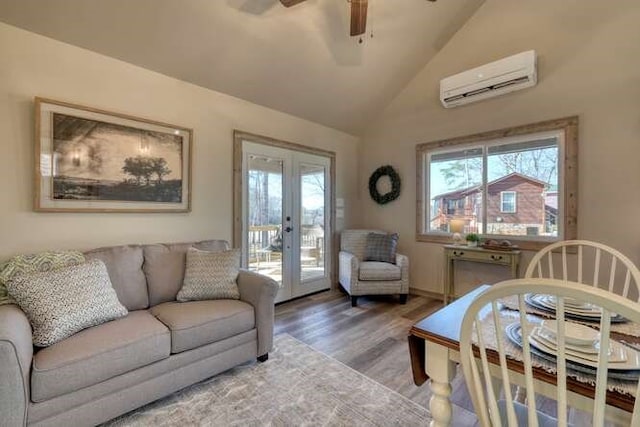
[452, 253]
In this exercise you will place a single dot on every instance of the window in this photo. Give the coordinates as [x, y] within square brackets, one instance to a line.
[518, 183]
[508, 201]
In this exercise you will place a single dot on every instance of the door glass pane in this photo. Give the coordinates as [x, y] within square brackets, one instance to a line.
[522, 188]
[265, 240]
[312, 221]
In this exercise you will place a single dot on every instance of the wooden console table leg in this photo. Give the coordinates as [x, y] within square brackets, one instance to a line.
[441, 371]
[447, 279]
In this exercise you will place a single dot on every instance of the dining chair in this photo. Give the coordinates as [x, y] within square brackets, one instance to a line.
[486, 367]
[594, 264]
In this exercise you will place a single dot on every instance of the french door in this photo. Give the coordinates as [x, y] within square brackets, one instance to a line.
[286, 227]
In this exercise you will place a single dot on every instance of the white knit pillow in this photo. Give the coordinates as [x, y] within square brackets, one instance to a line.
[61, 302]
[210, 275]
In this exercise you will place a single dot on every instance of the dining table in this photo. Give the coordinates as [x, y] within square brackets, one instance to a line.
[434, 345]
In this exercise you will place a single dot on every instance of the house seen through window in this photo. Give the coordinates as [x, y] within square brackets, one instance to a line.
[504, 187]
[518, 184]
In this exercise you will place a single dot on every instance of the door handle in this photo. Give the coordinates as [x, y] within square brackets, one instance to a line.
[288, 229]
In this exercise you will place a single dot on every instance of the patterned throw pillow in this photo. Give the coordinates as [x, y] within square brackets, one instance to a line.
[33, 263]
[210, 275]
[381, 247]
[59, 303]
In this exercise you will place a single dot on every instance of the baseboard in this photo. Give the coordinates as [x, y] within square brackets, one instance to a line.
[428, 294]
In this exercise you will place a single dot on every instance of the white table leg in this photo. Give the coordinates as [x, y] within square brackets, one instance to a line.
[441, 371]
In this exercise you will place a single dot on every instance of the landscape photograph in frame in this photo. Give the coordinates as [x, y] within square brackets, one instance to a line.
[92, 160]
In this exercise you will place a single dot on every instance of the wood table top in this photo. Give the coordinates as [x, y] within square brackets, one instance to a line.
[443, 326]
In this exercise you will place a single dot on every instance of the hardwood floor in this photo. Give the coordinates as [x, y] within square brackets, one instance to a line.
[370, 338]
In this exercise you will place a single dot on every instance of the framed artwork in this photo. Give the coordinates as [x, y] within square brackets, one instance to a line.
[89, 160]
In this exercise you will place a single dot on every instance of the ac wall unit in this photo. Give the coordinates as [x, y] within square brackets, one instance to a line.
[496, 78]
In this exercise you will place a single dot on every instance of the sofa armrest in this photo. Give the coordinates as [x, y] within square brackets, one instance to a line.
[348, 270]
[402, 261]
[16, 353]
[260, 291]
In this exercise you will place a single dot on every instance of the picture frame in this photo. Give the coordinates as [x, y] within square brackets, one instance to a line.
[92, 160]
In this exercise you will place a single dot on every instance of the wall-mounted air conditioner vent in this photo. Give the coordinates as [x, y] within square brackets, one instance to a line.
[496, 78]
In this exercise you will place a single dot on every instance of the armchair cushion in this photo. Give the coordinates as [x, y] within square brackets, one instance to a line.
[355, 242]
[379, 271]
[381, 247]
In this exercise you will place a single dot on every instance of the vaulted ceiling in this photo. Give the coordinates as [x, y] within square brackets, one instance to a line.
[300, 60]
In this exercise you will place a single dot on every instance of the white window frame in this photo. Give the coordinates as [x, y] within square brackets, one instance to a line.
[515, 201]
[566, 130]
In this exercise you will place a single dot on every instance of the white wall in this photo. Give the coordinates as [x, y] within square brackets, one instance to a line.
[32, 65]
[589, 65]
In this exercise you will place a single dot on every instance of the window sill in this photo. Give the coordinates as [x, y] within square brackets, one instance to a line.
[523, 244]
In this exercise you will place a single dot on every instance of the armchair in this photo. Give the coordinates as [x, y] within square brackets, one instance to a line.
[359, 277]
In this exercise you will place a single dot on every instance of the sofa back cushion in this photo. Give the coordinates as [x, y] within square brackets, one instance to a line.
[124, 264]
[164, 267]
[355, 241]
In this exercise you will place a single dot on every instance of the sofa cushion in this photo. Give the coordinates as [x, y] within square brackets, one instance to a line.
[99, 353]
[210, 275]
[164, 266]
[374, 270]
[33, 263]
[197, 323]
[59, 303]
[124, 264]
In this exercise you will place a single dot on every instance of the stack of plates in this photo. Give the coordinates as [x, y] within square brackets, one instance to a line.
[574, 309]
[582, 345]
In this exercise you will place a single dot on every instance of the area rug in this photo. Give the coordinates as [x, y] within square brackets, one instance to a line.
[297, 386]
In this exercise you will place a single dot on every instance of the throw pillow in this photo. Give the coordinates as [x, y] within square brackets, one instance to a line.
[61, 302]
[210, 275]
[32, 263]
[381, 247]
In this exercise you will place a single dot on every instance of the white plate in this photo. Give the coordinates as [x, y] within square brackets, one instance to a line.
[631, 357]
[593, 314]
[588, 311]
[570, 302]
[615, 354]
[574, 333]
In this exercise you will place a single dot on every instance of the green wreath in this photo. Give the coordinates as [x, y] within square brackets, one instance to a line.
[383, 199]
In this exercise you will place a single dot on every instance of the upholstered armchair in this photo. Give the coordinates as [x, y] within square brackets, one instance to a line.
[359, 277]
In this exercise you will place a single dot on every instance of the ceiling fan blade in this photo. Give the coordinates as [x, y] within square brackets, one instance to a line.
[289, 3]
[358, 17]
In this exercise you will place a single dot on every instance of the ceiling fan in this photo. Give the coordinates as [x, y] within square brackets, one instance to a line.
[358, 14]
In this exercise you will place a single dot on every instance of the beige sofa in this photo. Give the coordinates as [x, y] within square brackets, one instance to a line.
[160, 347]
